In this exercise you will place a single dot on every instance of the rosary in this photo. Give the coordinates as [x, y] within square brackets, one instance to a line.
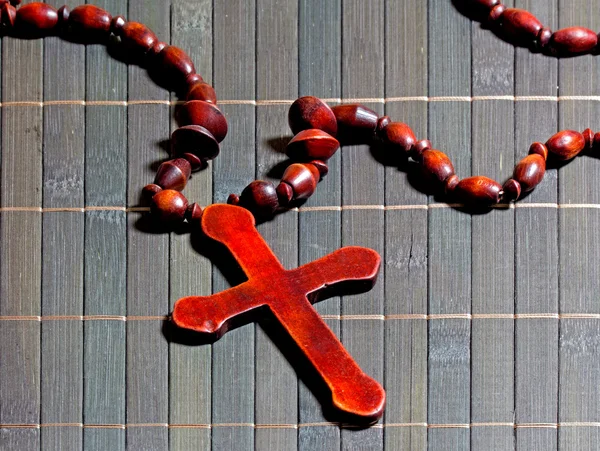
[319, 129]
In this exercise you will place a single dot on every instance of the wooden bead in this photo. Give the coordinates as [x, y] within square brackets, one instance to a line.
[315, 171]
[496, 14]
[155, 51]
[478, 191]
[312, 144]
[416, 153]
[193, 79]
[539, 149]
[202, 91]
[512, 190]
[137, 38]
[8, 16]
[436, 166]
[36, 20]
[173, 174]
[149, 191]
[196, 163]
[321, 166]
[566, 144]
[573, 41]
[171, 66]
[596, 143]
[260, 198]
[543, 38]
[168, 206]
[398, 136]
[530, 171]
[285, 193]
[233, 199]
[450, 184]
[196, 140]
[522, 26]
[588, 136]
[382, 123]
[193, 214]
[116, 25]
[301, 179]
[207, 115]
[90, 23]
[310, 112]
[355, 123]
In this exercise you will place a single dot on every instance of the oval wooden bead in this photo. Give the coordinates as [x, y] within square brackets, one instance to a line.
[173, 174]
[436, 166]
[511, 189]
[172, 66]
[196, 140]
[260, 198]
[355, 123]
[311, 112]
[398, 137]
[530, 171]
[137, 37]
[573, 41]
[8, 16]
[168, 206]
[36, 19]
[312, 144]
[198, 112]
[202, 91]
[539, 149]
[566, 144]
[90, 22]
[520, 25]
[478, 191]
[301, 179]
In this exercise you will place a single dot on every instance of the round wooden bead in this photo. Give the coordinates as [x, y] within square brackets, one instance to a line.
[450, 184]
[302, 180]
[168, 206]
[202, 91]
[478, 191]
[321, 166]
[573, 41]
[416, 153]
[311, 112]
[496, 14]
[116, 25]
[193, 214]
[197, 163]
[511, 190]
[172, 66]
[207, 115]
[539, 149]
[90, 23]
[8, 16]
[155, 51]
[173, 174]
[196, 140]
[36, 20]
[588, 136]
[398, 137]
[436, 166]
[596, 142]
[260, 198]
[543, 38]
[137, 37]
[382, 123]
[150, 190]
[285, 193]
[193, 79]
[312, 144]
[520, 25]
[233, 199]
[530, 171]
[355, 123]
[566, 144]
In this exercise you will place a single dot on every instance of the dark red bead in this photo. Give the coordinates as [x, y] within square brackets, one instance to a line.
[285, 193]
[137, 38]
[168, 206]
[566, 144]
[356, 123]
[197, 163]
[478, 191]
[173, 174]
[202, 91]
[8, 16]
[450, 184]
[149, 191]
[543, 38]
[539, 149]
[398, 137]
[196, 140]
[193, 79]
[116, 25]
[207, 115]
[573, 41]
[530, 171]
[312, 144]
[302, 180]
[171, 67]
[193, 214]
[437, 167]
[416, 153]
[511, 190]
[260, 198]
[155, 51]
[520, 25]
[588, 136]
[321, 166]
[311, 112]
[382, 123]
[36, 20]
[495, 14]
[233, 199]
[89, 23]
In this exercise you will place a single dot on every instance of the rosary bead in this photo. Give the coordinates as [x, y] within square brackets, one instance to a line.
[196, 140]
[193, 214]
[312, 144]
[450, 184]
[416, 153]
[573, 41]
[478, 191]
[588, 136]
[302, 180]
[202, 91]
[36, 20]
[355, 123]
[233, 199]
[543, 38]
[566, 144]
[398, 137]
[169, 206]
[382, 123]
[137, 37]
[436, 166]
[321, 166]
[512, 190]
[530, 171]
[596, 142]
[149, 191]
[8, 16]
[155, 51]
[173, 174]
[172, 66]
[260, 198]
[116, 25]
[197, 163]
[193, 79]
[496, 13]
[310, 112]
[90, 23]
[539, 149]
[520, 25]
[198, 112]
[285, 193]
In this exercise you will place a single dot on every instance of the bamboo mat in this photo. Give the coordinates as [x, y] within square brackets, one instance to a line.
[484, 329]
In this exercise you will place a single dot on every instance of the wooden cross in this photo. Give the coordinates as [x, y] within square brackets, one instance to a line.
[286, 293]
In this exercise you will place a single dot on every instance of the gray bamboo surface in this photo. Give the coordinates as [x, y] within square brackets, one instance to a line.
[439, 329]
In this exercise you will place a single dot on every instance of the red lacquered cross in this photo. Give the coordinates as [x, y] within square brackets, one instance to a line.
[286, 293]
